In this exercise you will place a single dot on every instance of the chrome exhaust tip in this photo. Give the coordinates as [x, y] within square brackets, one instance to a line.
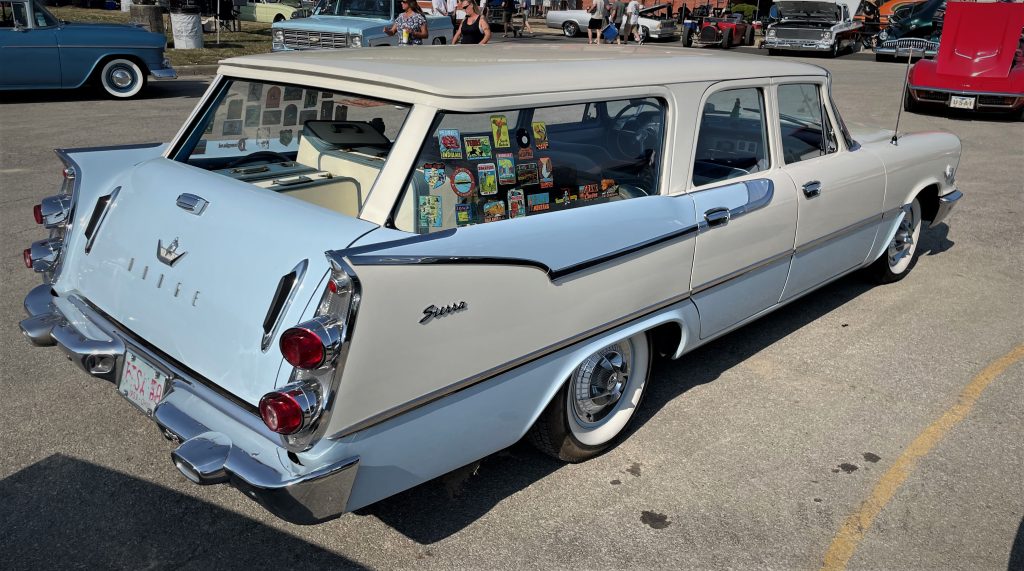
[37, 329]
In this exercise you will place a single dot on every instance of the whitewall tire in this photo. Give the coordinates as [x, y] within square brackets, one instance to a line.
[122, 78]
[596, 403]
[900, 255]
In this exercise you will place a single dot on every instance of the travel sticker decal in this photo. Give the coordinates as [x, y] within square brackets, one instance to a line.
[450, 143]
[462, 182]
[433, 174]
[430, 211]
[499, 129]
[506, 168]
[526, 173]
[538, 202]
[488, 178]
[540, 135]
[547, 172]
[284, 136]
[463, 214]
[494, 210]
[588, 192]
[522, 138]
[478, 147]
[516, 204]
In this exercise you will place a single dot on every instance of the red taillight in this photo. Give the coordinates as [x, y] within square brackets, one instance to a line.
[332, 286]
[281, 413]
[302, 348]
[37, 213]
[27, 257]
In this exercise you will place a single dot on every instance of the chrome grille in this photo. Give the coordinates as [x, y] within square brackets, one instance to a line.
[798, 33]
[916, 44]
[932, 95]
[709, 34]
[302, 39]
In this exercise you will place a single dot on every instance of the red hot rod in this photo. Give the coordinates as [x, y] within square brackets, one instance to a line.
[725, 32]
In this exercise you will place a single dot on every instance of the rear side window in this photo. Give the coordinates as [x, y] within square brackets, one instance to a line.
[733, 137]
[488, 167]
[804, 127]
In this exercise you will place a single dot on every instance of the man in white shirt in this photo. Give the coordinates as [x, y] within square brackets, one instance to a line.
[444, 8]
[633, 13]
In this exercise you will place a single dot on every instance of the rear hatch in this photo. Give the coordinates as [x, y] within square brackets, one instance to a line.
[206, 303]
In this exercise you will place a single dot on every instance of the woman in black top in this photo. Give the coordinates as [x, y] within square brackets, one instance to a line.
[474, 28]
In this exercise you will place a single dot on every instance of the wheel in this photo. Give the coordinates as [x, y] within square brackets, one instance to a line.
[727, 40]
[909, 104]
[645, 34]
[570, 29]
[438, 41]
[749, 38]
[834, 51]
[122, 78]
[687, 37]
[773, 52]
[596, 403]
[900, 257]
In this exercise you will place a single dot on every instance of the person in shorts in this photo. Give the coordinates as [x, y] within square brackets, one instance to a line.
[598, 13]
[622, 19]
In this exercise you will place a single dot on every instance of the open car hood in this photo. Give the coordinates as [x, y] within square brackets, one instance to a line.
[980, 40]
[816, 9]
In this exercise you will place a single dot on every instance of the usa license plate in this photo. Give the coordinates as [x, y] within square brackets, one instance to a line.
[141, 382]
[960, 102]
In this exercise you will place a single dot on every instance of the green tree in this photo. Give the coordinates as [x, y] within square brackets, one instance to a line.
[746, 9]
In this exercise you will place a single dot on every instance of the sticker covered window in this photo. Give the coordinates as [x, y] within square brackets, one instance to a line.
[488, 167]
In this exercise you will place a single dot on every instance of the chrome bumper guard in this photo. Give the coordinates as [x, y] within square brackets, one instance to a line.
[196, 416]
[946, 204]
[165, 72]
[796, 45]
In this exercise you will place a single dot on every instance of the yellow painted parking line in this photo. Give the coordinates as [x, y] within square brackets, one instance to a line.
[858, 524]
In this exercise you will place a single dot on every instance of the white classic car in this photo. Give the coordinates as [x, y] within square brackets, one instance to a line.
[351, 272]
[653, 21]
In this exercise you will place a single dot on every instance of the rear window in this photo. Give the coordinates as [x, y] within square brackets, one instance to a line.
[489, 167]
[324, 147]
[733, 137]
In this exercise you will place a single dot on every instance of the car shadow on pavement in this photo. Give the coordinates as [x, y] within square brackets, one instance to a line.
[64, 513]
[187, 87]
[935, 240]
[1016, 560]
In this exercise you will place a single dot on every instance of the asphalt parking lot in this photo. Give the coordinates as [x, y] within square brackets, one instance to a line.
[866, 427]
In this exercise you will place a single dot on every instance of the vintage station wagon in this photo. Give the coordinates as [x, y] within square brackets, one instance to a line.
[351, 272]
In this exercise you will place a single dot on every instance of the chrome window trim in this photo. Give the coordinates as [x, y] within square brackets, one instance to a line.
[300, 272]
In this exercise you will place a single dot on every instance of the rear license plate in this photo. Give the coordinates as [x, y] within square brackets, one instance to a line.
[960, 102]
[141, 382]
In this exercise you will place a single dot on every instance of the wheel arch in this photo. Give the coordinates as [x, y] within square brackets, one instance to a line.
[928, 196]
[102, 61]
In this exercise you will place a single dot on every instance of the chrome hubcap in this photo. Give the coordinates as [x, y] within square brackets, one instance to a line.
[598, 384]
[121, 78]
[903, 242]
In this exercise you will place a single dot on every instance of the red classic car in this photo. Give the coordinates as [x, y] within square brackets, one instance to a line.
[980, 65]
[725, 32]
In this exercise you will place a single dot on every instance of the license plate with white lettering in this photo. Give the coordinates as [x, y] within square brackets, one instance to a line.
[960, 102]
[141, 382]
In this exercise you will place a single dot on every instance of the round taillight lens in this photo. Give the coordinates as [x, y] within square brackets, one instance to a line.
[37, 213]
[27, 257]
[281, 412]
[302, 348]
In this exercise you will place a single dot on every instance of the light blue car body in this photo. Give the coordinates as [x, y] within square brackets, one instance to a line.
[353, 32]
[48, 53]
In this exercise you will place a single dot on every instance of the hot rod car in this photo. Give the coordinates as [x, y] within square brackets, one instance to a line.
[411, 269]
[980, 65]
[724, 32]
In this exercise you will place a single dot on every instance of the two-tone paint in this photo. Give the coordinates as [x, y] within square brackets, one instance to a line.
[814, 25]
[418, 399]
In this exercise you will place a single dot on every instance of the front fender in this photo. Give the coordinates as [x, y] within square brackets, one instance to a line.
[78, 64]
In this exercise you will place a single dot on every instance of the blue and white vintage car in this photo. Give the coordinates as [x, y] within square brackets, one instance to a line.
[351, 272]
[40, 51]
[351, 24]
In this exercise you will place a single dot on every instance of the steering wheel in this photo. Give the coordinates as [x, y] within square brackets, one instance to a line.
[632, 134]
[268, 156]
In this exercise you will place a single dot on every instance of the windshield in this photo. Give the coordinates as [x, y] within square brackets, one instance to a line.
[808, 10]
[359, 8]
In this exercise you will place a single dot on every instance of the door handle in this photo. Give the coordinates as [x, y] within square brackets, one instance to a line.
[812, 189]
[716, 217]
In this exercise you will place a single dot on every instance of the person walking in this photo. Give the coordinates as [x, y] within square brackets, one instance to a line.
[633, 11]
[411, 24]
[444, 8]
[618, 15]
[598, 13]
[474, 28]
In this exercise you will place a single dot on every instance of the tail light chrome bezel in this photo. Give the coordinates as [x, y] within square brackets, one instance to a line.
[334, 322]
[55, 210]
[305, 395]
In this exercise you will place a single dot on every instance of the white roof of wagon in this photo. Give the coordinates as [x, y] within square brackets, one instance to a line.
[510, 69]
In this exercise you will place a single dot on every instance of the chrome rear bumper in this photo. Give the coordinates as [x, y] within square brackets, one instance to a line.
[221, 440]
